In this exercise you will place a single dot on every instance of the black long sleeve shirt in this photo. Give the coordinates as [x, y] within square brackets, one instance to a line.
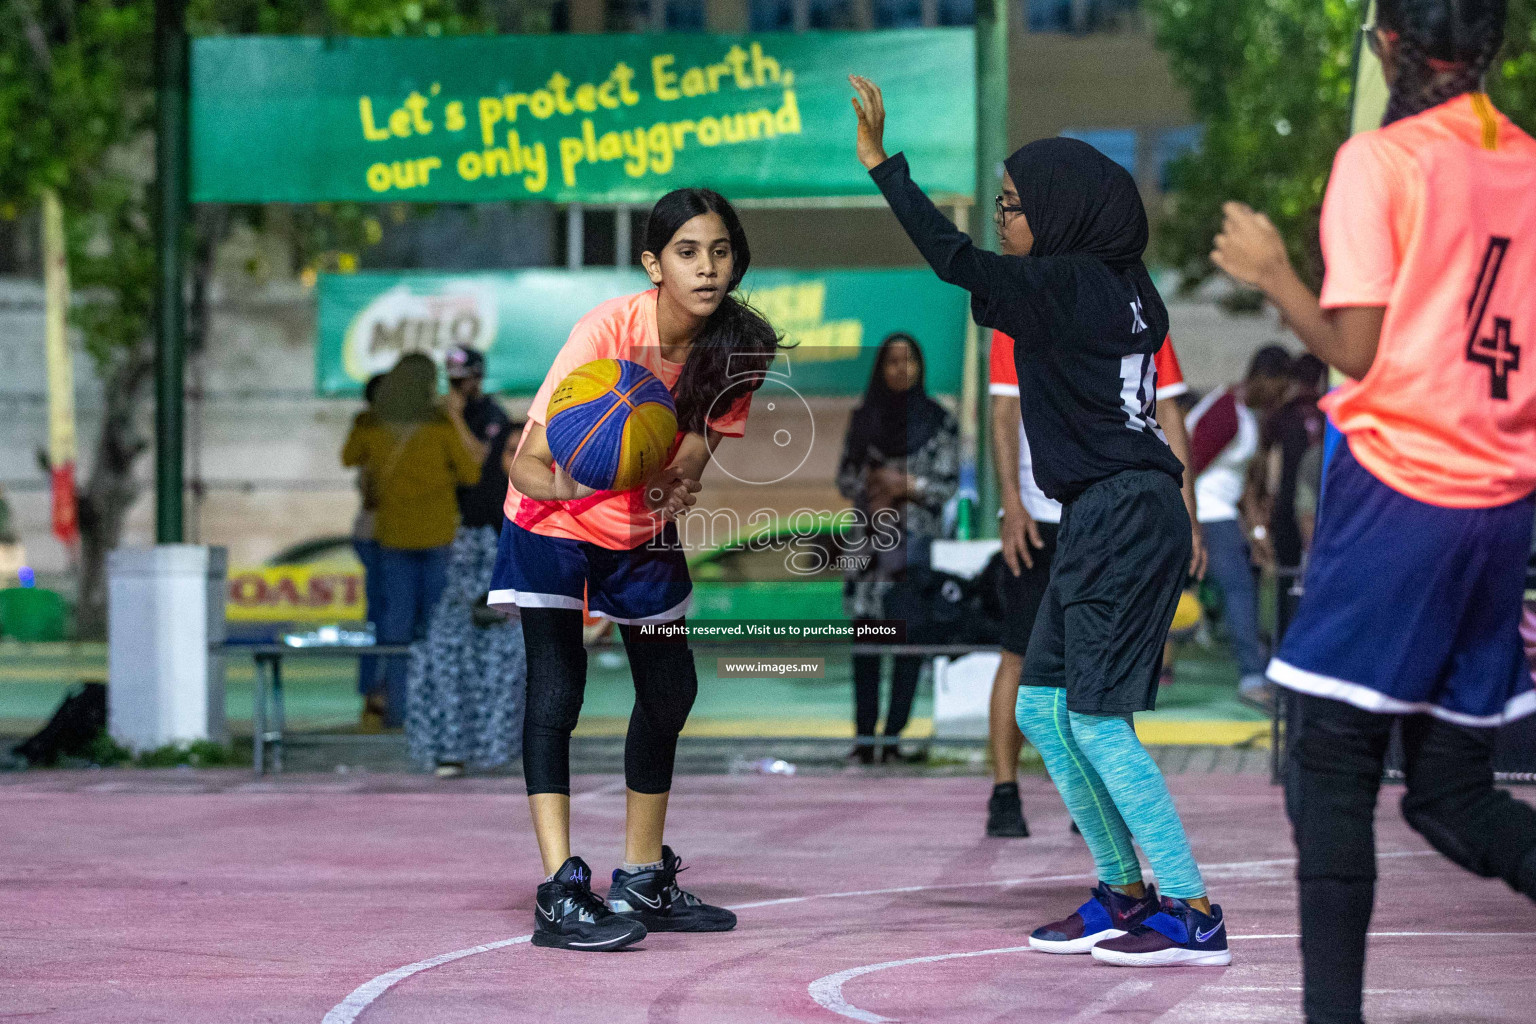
[1087, 376]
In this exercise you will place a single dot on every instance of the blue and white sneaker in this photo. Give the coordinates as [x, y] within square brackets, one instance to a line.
[1107, 915]
[1177, 935]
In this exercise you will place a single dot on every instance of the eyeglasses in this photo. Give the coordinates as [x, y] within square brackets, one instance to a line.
[1003, 209]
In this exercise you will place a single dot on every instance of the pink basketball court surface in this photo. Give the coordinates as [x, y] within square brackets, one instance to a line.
[209, 897]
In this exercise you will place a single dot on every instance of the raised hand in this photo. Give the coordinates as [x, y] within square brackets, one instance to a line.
[1249, 247]
[869, 106]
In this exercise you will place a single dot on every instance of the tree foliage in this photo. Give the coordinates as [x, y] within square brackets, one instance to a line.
[1271, 81]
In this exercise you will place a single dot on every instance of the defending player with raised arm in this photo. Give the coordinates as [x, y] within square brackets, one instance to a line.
[1071, 290]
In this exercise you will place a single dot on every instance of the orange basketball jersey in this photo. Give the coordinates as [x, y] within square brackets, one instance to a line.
[1434, 217]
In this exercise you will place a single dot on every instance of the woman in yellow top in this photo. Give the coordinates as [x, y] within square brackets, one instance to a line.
[414, 453]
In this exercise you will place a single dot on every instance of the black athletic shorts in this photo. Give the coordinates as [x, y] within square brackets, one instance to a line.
[1121, 559]
[1022, 593]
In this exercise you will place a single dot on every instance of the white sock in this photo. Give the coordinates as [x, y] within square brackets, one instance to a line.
[629, 868]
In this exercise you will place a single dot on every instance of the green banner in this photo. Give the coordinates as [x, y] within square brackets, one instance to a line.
[520, 319]
[570, 118]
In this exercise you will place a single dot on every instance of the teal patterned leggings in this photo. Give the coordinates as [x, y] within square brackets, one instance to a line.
[1113, 790]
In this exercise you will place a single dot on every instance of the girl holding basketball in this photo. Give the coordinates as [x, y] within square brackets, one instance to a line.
[620, 549]
[1413, 588]
[1071, 289]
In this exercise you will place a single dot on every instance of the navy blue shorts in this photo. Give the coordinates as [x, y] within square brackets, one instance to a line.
[1410, 607]
[649, 583]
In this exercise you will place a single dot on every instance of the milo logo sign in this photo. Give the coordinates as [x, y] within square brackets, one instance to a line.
[408, 318]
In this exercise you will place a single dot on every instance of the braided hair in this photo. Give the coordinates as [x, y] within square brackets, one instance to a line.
[1442, 48]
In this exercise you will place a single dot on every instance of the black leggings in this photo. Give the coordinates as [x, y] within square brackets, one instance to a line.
[666, 684]
[866, 693]
[1333, 774]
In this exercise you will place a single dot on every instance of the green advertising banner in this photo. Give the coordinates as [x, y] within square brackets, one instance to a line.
[570, 118]
[520, 319]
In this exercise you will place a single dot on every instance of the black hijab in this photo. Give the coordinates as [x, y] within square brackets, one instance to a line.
[894, 424]
[1079, 202]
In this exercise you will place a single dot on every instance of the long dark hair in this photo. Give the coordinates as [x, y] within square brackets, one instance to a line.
[732, 353]
[1443, 48]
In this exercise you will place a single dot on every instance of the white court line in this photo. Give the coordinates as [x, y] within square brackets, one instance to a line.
[348, 1010]
[828, 991]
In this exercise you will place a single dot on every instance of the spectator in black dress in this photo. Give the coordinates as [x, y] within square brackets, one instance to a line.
[900, 464]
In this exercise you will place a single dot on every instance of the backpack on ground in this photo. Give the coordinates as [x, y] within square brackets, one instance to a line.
[73, 728]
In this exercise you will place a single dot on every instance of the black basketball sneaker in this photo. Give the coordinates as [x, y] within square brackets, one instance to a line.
[653, 899]
[569, 915]
[1005, 812]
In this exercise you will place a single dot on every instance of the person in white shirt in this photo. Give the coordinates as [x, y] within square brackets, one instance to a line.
[1224, 437]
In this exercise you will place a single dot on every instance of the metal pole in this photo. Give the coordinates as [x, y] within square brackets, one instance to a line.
[991, 149]
[971, 425]
[575, 237]
[623, 236]
[170, 319]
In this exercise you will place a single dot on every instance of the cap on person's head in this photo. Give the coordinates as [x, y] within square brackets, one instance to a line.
[464, 362]
[1270, 361]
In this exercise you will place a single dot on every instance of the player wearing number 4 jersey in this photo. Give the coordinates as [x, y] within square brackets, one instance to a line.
[1414, 588]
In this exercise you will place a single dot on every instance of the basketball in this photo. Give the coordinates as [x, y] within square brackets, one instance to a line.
[611, 423]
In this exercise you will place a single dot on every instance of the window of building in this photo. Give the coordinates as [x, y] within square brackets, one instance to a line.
[772, 15]
[533, 17]
[685, 15]
[1080, 15]
[627, 15]
[1173, 144]
[957, 12]
[640, 15]
[832, 14]
[898, 13]
[1119, 144]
